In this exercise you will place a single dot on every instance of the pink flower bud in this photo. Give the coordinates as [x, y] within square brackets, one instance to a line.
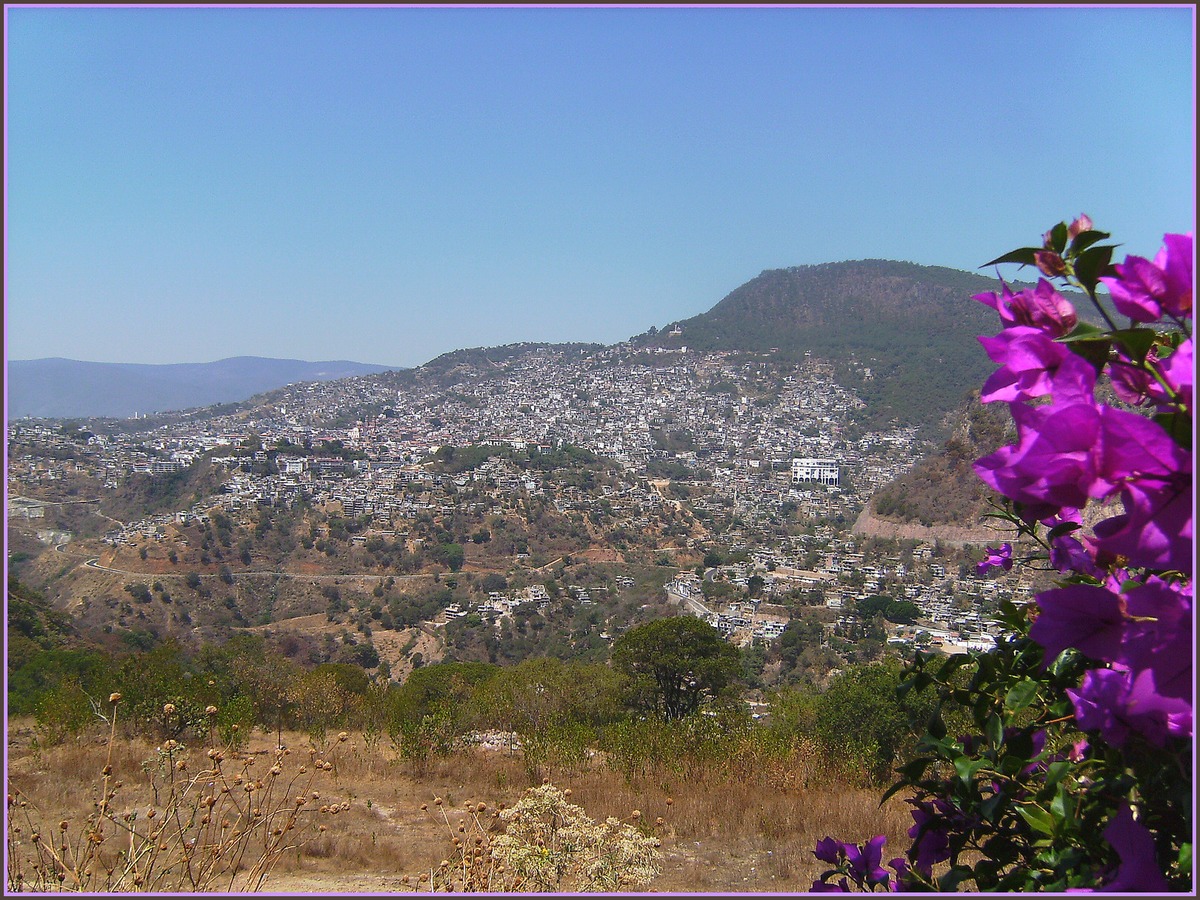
[1079, 226]
[1049, 263]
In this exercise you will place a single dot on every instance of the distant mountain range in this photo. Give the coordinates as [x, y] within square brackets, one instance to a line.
[66, 388]
[902, 335]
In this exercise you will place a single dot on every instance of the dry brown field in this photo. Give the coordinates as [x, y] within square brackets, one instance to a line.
[372, 823]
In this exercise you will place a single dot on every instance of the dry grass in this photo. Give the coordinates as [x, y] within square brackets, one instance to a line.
[747, 826]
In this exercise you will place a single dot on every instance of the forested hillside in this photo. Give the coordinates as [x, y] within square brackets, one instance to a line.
[902, 335]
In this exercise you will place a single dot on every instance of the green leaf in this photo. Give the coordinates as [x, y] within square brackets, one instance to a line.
[1185, 857]
[1091, 264]
[1094, 351]
[967, 767]
[986, 871]
[952, 664]
[1021, 695]
[1037, 818]
[1064, 661]
[995, 730]
[936, 726]
[951, 880]
[1000, 847]
[991, 808]
[1063, 807]
[1012, 762]
[1085, 239]
[1136, 341]
[1063, 528]
[1055, 772]
[918, 683]
[892, 791]
[1085, 331]
[915, 768]
[1058, 237]
[943, 747]
[1024, 256]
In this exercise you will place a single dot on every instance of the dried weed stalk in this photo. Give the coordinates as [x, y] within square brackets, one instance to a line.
[214, 823]
[544, 843]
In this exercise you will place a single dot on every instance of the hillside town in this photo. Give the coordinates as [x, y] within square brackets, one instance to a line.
[760, 462]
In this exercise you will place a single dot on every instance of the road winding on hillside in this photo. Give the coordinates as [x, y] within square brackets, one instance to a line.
[94, 563]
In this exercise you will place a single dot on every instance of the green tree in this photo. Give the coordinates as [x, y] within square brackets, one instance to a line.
[675, 664]
[861, 720]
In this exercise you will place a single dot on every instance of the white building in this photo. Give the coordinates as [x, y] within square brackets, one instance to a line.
[806, 468]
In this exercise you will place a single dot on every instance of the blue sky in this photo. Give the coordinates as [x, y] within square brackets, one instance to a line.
[387, 184]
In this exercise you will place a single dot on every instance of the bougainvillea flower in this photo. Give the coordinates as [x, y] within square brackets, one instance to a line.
[930, 834]
[1068, 453]
[864, 861]
[1175, 261]
[1160, 638]
[1085, 616]
[1134, 384]
[1156, 528]
[1139, 869]
[996, 556]
[1053, 464]
[1097, 701]
[1134, 448]
[1027, 359]
[1049, 263]
[1137, 289]
[1037, 741]
[1080, 225]
[1116, 701]
[1179, 372]
[1067, 554]
[1043, 308]
[1167, 383]
[828, 850]
[1145, 291]
[822, 887]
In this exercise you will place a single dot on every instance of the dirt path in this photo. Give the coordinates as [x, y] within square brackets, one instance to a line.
[956, 536]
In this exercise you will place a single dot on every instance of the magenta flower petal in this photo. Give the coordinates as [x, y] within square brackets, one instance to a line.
[996, 556]
[827, 850]
[1055, 463]
[1042, 308]
[1178, 370]
[1136, 447]
[1067, 554]
[1156, 529]
[1115, 702]
[1138, 289]
[1175, 261]
[1027, 358]
[822, 887]
[1163, 641]
[1098, 702]
[1085, 616]
[1139, 869]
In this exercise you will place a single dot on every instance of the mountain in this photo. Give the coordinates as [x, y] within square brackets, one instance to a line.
[902, 335]
[68, 388]
[449, 365]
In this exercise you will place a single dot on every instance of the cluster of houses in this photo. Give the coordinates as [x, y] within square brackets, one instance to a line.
[755, 441]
